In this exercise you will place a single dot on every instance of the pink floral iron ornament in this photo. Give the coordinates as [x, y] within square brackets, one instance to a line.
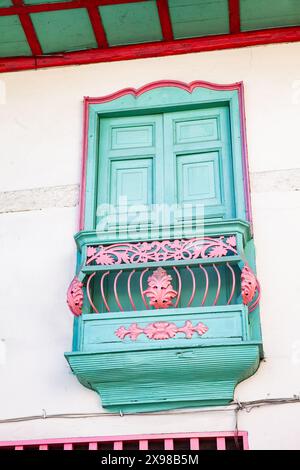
[160, 290]
[161, 330]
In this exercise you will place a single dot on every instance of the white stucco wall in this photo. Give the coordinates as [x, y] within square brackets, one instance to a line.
[41, 146]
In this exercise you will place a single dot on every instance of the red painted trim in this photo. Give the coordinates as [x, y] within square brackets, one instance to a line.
[29, 30]
[234, 16]
[132, 437]
[189, 87]
[40, 8]
[30, 34]
[165, 20]
[157, 49]
[96, 21]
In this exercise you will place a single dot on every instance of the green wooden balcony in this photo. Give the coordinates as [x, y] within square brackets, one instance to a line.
[163, 324]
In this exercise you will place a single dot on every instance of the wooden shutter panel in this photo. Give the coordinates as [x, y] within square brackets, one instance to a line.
[130, 163]
[198, 161]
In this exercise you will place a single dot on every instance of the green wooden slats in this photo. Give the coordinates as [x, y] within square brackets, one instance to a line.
[13, 40]
[260, 14]
[67, 30]
[131, 23]
[192, 18]
[5, 3]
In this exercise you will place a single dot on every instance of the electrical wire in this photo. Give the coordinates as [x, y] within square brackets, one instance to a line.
[234, 406]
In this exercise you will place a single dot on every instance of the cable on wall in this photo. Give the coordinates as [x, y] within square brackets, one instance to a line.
[235, 406]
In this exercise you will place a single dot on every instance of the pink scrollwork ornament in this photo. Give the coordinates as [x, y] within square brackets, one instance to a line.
[75, 297]
[161, 330]
[160, 290]
[158, 251]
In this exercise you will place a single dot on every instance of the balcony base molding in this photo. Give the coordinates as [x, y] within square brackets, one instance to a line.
[165, 378]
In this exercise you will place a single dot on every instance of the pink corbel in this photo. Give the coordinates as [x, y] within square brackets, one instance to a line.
[75, 297]
[249, 286]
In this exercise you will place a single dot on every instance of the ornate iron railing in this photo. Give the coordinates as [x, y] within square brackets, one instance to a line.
[205, 271]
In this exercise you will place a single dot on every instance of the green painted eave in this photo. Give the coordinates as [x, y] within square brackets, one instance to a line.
[61, 27]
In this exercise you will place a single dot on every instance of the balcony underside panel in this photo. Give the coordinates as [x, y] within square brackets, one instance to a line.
[161, 378]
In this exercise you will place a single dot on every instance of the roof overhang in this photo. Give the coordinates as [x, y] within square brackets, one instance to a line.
[38, 34]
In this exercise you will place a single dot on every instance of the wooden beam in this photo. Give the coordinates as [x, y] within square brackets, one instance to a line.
[234, 16]
[29, 30]
[157, 49]
[165, 20]
[96, 21]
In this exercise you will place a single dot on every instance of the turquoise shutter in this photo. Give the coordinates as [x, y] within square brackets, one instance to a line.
[198, 162]
[130, 166]
[182, 158]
